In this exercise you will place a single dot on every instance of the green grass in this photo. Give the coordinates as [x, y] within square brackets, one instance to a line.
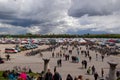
[32, 74]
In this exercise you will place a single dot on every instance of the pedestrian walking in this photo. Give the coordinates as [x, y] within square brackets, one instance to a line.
[90, 58]
[96, 57]
[88, 53]
[102, 57]
[60, 61]
[96, 76]
[82, 63]
[85, 64]
[102, 72]
[8, 57]
[93, 69]
[53, 54]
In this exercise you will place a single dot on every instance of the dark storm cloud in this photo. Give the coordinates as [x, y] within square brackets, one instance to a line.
[13, 20]
[84, 11]
[94, 7]
[6, 15]
[24, 22]
[44, 14]
[59, 16]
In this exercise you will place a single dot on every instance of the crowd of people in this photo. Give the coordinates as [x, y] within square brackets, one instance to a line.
[90, 70]
[13, 75]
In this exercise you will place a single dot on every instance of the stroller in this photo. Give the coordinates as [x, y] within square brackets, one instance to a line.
[75, 59]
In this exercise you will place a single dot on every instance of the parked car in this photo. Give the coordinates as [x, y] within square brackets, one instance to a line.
[10, 50]
[1, 60]
[34, 46]
[18, 49]
[26, 47]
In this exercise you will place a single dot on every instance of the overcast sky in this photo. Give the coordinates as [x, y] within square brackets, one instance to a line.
[59, 16]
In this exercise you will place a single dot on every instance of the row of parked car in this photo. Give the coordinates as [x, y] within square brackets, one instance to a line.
[19, 49]
[30, 46]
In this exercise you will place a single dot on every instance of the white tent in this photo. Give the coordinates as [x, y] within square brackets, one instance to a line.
[82, 41]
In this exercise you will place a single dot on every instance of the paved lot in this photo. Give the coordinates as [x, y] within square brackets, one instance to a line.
[36, 63]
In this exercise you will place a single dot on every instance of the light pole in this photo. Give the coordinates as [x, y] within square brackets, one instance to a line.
[112, 70]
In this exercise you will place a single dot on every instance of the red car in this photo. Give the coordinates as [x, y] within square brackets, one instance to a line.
[10, 50]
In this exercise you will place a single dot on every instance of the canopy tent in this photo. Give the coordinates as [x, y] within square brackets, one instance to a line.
[82, 41]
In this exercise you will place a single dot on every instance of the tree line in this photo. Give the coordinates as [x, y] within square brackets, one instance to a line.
[29, 35]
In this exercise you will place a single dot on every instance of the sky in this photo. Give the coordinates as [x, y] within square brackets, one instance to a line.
[59, 16]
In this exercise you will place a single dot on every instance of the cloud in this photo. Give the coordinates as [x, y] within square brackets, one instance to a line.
[59, 16]
[94, 7]
[46, 15]
[10, 29]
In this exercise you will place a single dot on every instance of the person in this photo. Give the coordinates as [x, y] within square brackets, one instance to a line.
[48, 75]
[55, 69]
[65, 57]
[90, 58]
[68, 57]
[93, 69]
[118, 74]
[60, 61]
[85, 54]
[23, 75]
[75, 78]
[41, 55]
[60, 55]
[30, 71]
[5, 74]
[89, 70]
[69, 77]
[80, 77]
[11, 76]
[102, 57]
[96, 57]
[102, 72]
[88, 54]
[96, 76]
[85, 64]
[39, 78]
[82, 63]
[8, 57]
[78, 52]
[53, 54]
[57, 76]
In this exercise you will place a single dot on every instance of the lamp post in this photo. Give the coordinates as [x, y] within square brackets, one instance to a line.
[46, 64]
[111, 75]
